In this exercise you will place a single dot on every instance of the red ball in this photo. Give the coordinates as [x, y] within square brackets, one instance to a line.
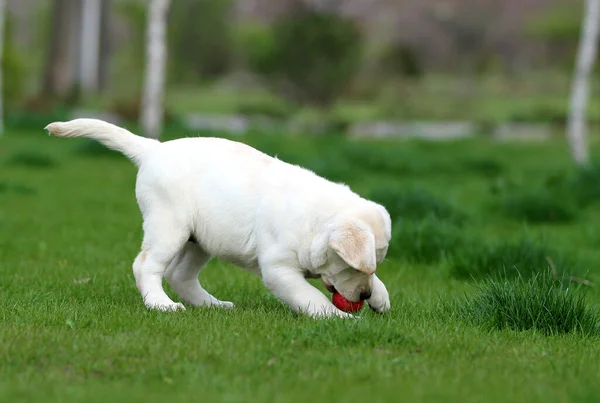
[344, 305]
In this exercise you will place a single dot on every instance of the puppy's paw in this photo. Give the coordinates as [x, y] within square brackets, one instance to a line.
[330, 313]
[380, 304]
[165, 306]
[223, 304]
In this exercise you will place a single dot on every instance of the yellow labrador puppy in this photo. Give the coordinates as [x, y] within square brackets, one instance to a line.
[211, 197]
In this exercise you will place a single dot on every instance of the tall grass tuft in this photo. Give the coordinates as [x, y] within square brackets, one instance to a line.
[542, 303]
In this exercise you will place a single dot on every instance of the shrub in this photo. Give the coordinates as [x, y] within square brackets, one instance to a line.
[426, 241]
[415, 204]
[402, 59]
[524, 257]
[538, 206]
[310, 57]
[200, 39]
[542, 303]
[14, 72]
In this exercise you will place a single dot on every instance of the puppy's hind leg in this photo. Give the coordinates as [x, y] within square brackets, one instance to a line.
[183, 273]
[164, 238]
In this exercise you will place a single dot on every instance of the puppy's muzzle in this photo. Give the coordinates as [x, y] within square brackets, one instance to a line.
[365, 295]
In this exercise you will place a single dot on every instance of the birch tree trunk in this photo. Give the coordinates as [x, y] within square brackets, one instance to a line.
[588, 44]
[2, 26]
[156, 59]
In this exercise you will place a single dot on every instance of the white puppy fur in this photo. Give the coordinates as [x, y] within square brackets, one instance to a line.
[211, 197]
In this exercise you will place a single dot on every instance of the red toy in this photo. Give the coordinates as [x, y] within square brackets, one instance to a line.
[344, 305]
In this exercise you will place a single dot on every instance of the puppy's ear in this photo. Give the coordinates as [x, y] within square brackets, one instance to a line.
[356, 245]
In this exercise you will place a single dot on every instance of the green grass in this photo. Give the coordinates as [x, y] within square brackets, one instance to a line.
[73, 327]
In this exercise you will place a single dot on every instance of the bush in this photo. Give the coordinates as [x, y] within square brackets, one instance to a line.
[200, 38]
[541, 303]
[538, 206]
[402, 59]
[510, 259]
[14, 72]
[310, 57]
[426, 241]
[415, 204]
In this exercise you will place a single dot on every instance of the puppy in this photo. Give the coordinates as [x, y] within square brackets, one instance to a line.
[210, 197]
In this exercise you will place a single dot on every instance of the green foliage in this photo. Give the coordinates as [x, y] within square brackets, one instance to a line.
[310, 57]
[538, 206]
[523, 257]
[541, 303]
[559, 23]
[415, 204]
[14, 72]
[200, 39]
[425, 241]
[135, 14]
[403, 60]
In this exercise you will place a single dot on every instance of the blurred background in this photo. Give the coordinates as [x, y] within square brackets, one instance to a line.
[428, 68]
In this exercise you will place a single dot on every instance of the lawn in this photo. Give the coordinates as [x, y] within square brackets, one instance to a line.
[73, 326]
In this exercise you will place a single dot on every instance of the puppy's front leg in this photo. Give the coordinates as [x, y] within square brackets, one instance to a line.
[380, 298]
[290, 286]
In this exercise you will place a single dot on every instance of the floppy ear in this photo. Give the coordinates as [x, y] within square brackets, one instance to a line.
[356, 245]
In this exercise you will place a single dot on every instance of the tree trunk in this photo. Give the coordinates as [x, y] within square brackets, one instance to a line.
[105, 46]
[58, 72]
[156, 58]
[588, 44]
[2, 27]
[90, 45]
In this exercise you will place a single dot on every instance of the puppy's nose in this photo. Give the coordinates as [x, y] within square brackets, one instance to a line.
[365, 295]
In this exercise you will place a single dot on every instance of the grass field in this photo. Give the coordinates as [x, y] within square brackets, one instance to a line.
[73, 326]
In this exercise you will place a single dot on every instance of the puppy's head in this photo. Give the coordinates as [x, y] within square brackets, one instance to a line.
[358, 242]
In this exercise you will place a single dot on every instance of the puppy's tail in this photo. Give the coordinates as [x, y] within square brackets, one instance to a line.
[114, 137]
